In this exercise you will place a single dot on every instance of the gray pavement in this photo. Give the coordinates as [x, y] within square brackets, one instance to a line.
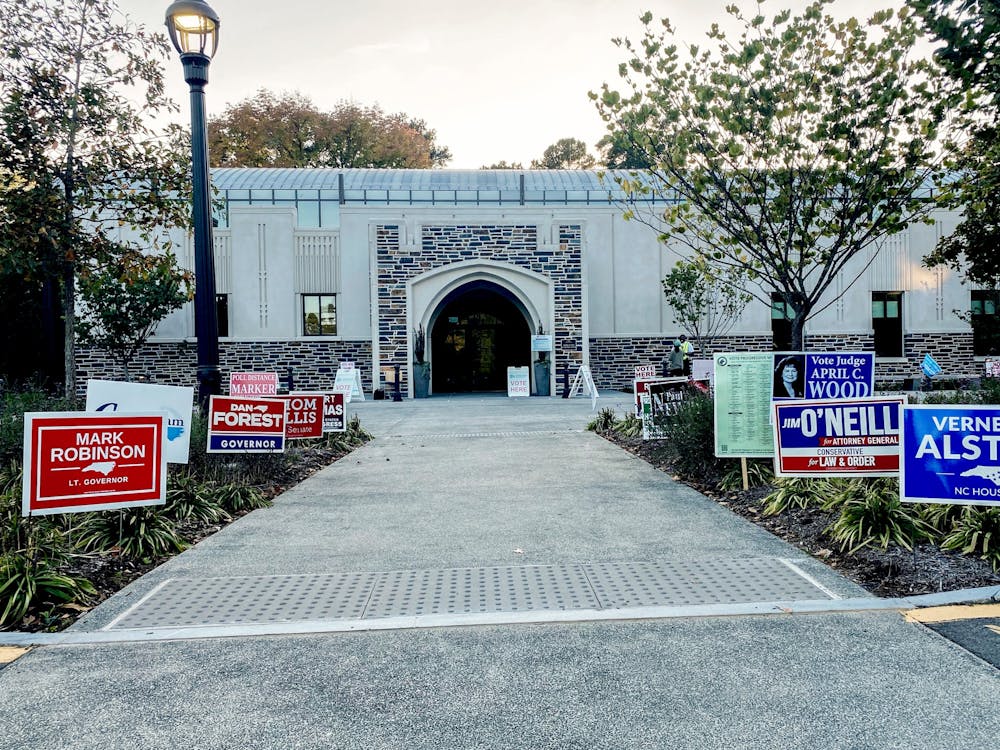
[491, 484]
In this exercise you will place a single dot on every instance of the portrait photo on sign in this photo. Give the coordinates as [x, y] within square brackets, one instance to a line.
[789, 376]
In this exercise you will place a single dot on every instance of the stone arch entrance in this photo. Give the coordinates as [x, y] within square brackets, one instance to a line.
[510, 300]
[476, 333]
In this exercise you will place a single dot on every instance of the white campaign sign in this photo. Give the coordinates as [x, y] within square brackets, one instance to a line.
[177, 402]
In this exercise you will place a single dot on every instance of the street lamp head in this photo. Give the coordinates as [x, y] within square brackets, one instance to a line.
[193, 27]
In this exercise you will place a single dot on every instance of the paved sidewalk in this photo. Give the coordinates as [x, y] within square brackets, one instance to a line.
[488, 515]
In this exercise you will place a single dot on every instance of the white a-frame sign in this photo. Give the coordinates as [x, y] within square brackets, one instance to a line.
[584, 381]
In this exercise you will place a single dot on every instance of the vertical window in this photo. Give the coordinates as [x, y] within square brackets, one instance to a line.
[319, 314]
[887, 323]
[222, 314]
[985, 323]
[781, 323]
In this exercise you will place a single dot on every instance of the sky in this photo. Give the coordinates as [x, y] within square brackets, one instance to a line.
[496, 80]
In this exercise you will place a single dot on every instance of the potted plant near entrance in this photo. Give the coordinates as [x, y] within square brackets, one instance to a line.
[421, 368]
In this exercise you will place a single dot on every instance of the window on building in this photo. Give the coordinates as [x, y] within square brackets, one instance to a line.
[887, 323]
[222, 314]
[319, 314]
[984, 308]
[781, 323]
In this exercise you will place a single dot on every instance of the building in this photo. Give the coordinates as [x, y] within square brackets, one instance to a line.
[319, 266]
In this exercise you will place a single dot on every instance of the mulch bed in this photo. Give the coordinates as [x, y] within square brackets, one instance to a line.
[885, 573]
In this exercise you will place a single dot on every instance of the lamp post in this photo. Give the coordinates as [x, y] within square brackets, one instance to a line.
[194, 31]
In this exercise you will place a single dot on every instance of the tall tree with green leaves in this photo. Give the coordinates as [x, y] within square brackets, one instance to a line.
[566, 153]
[288, 130]
[786, 151]
[969, 34]
[124, 300]
[79, 86]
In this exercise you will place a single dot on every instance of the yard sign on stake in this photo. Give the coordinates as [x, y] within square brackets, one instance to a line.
[75, 462]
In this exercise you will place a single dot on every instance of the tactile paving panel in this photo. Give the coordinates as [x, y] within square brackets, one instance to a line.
[681, 583]
[255, 600]
[462, 590]
[183, 602]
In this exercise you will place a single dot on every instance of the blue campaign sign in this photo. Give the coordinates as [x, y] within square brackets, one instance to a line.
[951, 454]
[837, 375]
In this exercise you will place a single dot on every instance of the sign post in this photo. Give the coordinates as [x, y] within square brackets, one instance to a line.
[75, 462]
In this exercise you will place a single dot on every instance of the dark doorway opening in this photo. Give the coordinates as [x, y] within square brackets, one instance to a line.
[479, 332]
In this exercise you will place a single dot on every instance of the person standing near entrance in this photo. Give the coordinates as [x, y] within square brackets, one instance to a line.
[675, 360]
[687, 349]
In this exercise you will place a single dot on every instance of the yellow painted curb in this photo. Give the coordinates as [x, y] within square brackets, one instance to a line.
[954, 612]
[9, 653]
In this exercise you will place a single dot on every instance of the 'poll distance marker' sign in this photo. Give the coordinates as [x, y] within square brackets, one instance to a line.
[77, 462]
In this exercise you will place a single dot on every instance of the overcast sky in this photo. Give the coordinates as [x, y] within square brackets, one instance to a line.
[497, 80]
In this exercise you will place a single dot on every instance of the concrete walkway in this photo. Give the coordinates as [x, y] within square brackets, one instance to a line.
[590, 602]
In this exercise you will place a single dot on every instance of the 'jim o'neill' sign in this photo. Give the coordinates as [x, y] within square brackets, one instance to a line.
[76, 462]
[246, 425]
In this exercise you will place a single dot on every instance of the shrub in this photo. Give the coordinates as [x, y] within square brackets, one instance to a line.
[629, 426]
[13, 405]
[796, 492]
[189, 499]
[603, 422]
[236, 497]
[759, 473]
[143, 533]
[977, 532]
[691, 443]
[30, 580]
[873, 514]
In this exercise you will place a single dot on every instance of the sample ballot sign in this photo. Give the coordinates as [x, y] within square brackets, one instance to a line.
[246, 425]
[76, 462]
[742, 405]
[837, 437]
[951, 454]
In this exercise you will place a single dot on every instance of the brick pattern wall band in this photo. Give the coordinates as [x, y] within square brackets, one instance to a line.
[445, 244]
[612, 360]
[313, 363]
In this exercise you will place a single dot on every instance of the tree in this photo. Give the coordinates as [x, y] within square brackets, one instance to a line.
[288, 130]
[706, 303]
[969, 32]
[503, 165]
[78, 84]
[124, 300]
[785, 152]
[566, 153]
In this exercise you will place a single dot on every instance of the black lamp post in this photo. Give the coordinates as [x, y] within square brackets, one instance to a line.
[194, 31]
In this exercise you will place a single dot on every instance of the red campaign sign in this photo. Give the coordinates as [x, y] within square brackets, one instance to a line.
[76, 462]
[334, 413]
[246, 425]
[305, 415]
[253, 383]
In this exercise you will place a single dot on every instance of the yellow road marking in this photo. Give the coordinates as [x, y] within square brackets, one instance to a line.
[994, 628]
[9, 653]
[954, 612]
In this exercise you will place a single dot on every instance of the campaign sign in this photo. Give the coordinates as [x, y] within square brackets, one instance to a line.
[334, 413]
[823, 375]
[660, 402]
[305, 415]
[837, 437]
[75, 462]
[253, 383]
[246, 425]
[951, 454]
[111, 396]
[640, 387]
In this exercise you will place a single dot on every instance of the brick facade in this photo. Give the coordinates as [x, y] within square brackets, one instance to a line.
[515, 244]
[313, 363]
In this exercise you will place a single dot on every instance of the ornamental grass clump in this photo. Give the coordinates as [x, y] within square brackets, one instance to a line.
[872, 514]
[977, 532]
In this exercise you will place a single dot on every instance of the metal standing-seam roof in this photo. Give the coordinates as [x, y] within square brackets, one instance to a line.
[254, 178]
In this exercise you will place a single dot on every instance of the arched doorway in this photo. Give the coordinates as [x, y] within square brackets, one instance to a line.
[478, 331]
